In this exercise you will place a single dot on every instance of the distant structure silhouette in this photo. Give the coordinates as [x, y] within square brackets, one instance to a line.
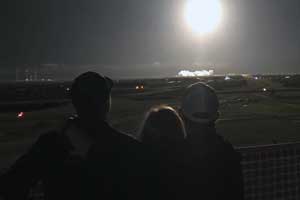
[163, 132]
[88, 159]
[215, 172]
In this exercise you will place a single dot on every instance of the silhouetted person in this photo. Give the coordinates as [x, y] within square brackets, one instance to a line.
[87, 160]
[163, 131]
[216, 170]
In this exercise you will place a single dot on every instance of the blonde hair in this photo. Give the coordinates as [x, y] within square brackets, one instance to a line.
[162, 124]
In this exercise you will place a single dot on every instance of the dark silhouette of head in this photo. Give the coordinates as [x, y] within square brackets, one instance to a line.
[91, 96]
[162, 126]
[199, 106]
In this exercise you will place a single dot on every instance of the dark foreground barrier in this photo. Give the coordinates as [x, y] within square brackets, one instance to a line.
[272, 171]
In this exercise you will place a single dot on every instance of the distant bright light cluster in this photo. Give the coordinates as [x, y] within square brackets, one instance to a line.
[139, 87]
[20, 115]
[187, 73]
[227, 78]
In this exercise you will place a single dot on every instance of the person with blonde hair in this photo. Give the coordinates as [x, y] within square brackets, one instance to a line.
[163, 126]
[163, 132]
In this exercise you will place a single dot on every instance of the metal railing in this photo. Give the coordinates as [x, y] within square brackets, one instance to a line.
[271, 171]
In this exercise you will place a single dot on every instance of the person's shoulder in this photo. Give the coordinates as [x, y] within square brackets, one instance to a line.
[127, 138]
[118, 141]
[53, 136]
[47, 138]
[228, 149]
[123, 137]
[123, 141]
[52, 141]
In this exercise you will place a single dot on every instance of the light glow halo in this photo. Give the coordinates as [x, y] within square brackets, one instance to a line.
[203, 16]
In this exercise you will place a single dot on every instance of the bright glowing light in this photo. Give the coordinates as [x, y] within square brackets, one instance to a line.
[20, 115]
[203, 16]
[187, 73]
[137, 87]
[264, 89]
[227, 78]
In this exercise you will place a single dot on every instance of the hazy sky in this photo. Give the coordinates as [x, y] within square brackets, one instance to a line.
[150, 37]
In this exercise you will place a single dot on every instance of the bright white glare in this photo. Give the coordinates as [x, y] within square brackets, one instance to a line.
[227, 78]
[20, 115]
[203, 16]
[187, 73]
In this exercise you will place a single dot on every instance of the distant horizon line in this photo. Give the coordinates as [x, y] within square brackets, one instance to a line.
[164, 77]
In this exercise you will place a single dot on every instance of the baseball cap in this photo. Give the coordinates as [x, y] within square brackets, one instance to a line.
[91, 86]
[200, 103]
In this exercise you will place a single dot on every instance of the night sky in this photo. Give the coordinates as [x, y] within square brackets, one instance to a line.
[130, 38]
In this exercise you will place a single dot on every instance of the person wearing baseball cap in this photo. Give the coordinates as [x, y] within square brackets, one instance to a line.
[90, 95]
[113, 156]
[216, 169]
[200, 104]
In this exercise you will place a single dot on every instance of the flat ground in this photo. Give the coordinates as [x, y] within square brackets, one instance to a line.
[247, 118]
